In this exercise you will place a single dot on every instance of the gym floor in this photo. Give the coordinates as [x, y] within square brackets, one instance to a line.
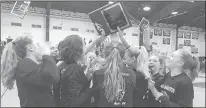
[10, 99]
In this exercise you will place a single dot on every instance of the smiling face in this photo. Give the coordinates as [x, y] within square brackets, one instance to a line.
[154, 64]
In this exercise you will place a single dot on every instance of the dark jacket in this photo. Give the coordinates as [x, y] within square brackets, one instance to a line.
[99, 95]
[74, 87]
[34, 82]
[149, 98]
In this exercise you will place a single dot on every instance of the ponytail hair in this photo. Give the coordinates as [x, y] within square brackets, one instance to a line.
[191, 64]
[12, 52]
[9, 60]
[195, 68]
[113, 76]
[142, 61]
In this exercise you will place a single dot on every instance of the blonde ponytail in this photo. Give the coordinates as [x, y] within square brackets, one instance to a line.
[113, 77]
[142, 62]
[191, 64]
[9, 60]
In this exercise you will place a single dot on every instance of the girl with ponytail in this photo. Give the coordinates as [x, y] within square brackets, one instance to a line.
[137, 58]
[32, 68]
[117, 82]
[177, 88]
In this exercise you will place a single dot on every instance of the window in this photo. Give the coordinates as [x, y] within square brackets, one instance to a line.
[15, 24]
[134, 34]
[57, 28]
[74, 29]
[35, 26]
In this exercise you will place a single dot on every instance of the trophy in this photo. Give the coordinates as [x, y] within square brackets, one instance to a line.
[110, 17]
[20, 8]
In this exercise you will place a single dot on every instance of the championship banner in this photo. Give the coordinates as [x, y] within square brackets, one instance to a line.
[20, 8]
[109, 17]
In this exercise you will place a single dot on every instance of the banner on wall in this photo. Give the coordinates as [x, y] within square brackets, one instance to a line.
[187, 42]
[195, 35]
[187, 35]
[158, 32]
[166, 33]
[180, 46]
[194, 50]
[180, 34]
[166, 41]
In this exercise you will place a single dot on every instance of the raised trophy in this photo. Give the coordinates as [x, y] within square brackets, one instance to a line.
[110, 17]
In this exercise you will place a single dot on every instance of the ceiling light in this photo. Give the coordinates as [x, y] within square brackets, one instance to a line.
[146, 8]
[110, 2]
[174, 13]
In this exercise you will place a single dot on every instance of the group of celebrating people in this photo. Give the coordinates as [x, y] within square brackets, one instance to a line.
[119, 75]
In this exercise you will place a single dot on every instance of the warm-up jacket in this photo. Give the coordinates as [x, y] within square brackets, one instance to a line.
[34, 82]
[74, 87]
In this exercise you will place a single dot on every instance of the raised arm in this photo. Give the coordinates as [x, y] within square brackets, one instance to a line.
[125, 43]
[92, 44]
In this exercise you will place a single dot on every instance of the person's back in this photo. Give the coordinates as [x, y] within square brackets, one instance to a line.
[20, 63]
[127, 97]
[32, 89]
[116, 81]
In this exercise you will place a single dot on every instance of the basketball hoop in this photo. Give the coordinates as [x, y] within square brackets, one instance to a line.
[20, 8]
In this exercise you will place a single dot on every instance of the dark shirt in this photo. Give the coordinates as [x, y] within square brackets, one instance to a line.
[34, 82]
[149, 98]
[179, 90]
[141, 88]
[74, 87]
[99, 95]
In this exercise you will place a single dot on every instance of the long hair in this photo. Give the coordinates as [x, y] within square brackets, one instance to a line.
[12, 52]
[113, 76]
[142, 61]
[191, 64]
[71, 49]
